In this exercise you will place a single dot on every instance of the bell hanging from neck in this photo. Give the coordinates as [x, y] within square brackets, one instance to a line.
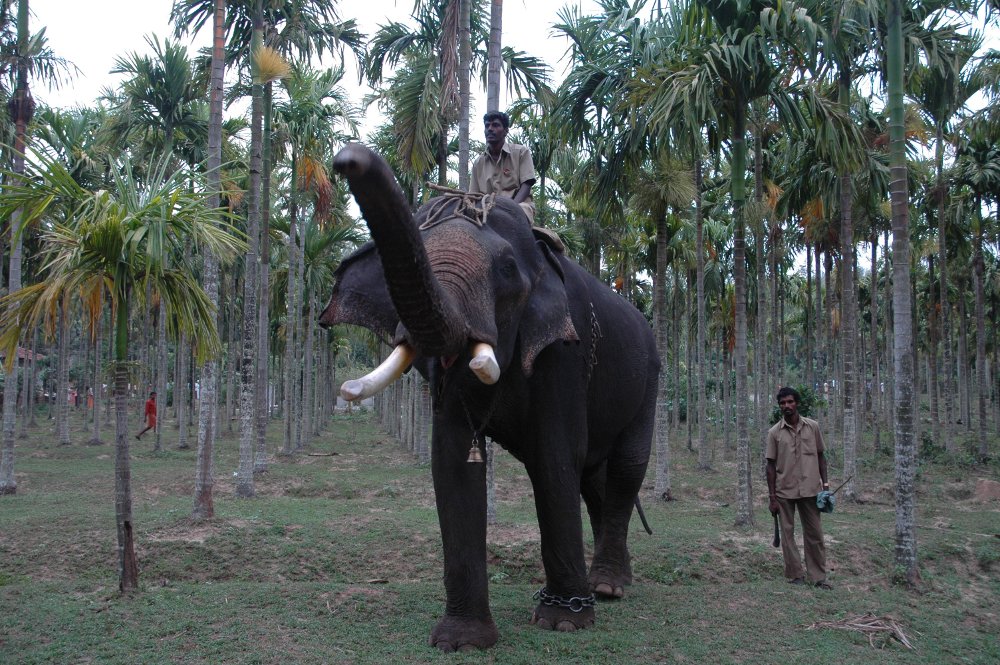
[475, 455]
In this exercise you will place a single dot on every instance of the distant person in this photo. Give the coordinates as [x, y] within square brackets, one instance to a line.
[150, 414]
[505, 168]
[796, 473]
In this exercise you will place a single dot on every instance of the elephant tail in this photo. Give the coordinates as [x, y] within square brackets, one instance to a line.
[642, 516]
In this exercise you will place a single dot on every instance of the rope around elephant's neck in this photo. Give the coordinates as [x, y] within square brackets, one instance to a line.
[473, 208]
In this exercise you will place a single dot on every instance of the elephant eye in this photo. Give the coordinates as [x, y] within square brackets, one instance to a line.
[508, 267]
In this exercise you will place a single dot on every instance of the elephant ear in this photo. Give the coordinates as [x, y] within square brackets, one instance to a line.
[360, 295]
[546, 317]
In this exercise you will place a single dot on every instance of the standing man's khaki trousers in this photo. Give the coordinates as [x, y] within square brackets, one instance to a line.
[812, 537]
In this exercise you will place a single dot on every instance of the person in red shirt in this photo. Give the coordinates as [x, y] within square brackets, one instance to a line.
[150, 415]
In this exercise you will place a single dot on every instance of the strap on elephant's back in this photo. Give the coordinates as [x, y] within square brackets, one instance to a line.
[573, 604]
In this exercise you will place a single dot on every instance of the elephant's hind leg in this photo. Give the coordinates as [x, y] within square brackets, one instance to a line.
[611, 569]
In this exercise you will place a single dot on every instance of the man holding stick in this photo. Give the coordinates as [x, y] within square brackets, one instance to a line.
[796, 474]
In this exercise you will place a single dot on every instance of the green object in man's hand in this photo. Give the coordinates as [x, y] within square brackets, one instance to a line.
[825, 501]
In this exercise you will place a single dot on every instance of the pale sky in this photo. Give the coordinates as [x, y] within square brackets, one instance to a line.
[93, 33]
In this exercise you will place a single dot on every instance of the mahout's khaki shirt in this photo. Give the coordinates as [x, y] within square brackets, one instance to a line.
[505, 175]
[795, 451]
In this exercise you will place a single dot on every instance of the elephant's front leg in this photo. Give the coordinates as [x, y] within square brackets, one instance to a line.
[566, 602]
[460, 493]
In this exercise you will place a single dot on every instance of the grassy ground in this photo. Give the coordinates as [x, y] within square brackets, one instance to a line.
[338, 560]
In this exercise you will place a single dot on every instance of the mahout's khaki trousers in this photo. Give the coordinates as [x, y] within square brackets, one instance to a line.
[812, 539]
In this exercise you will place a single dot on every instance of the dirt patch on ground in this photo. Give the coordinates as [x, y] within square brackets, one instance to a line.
[195, 532]
[987, 490]
[512, 534]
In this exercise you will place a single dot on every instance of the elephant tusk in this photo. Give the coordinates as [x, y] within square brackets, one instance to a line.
[484, 364]
[391, 369]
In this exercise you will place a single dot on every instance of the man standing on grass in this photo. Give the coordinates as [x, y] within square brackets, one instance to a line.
[796, 473]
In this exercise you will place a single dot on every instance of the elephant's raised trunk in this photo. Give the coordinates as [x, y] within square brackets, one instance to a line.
[432, 320]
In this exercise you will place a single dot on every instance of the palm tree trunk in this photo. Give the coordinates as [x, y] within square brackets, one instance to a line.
[947, 376]
[291, 307]
[848, 314]
[233, 356]
[932, 357]
[761, 349]
[675, 419]
[161, 374]
[62, 392]
[918, 391]
[890, 400]
[493, 58]
[464, 72]
[965, 410]
[706, 451]
[248, 370]
[307, 372]
[31, 379]
[744, 496]
[424, 433]
[128, 564]
[204, 482]
[95, 439]
[689, 359]
[264, 297]
[22, 107]
[662, 427]
[182, 392]
[982, 384]
[876, 365]
[809, 323]
[726, 393]
[905, 457]
[819, 331]
[298, 404]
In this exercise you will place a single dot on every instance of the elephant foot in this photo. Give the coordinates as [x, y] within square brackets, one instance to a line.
[605, 590]
[563, 614]
[463, 634]
[561, 619]
[609, 585]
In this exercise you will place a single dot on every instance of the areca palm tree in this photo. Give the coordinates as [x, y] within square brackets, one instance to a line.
[723, 76]
[204, 505]
[978, 169]
[905, 453]
[314, 117]
[160, 94]
[25, 57]
[848, 30]
[299, 28]
[663, 186]
[324, 242]
[943, 91]
[159, 98]
[117, 242]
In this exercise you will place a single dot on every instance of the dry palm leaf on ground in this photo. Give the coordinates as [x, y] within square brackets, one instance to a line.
[884, 627]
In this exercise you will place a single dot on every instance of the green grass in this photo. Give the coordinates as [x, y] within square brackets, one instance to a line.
[338, 560]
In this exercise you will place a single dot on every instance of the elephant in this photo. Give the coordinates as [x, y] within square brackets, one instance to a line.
[520, 344]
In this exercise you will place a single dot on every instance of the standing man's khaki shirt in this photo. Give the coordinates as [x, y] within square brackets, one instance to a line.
[795, 452]
[504, 176]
